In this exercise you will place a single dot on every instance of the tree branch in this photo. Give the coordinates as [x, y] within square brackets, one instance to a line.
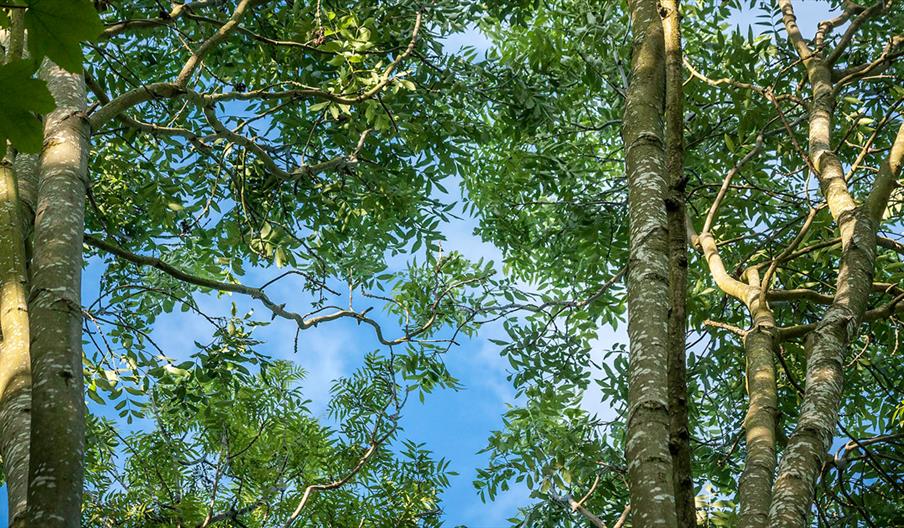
[170, 17]
[278, 310]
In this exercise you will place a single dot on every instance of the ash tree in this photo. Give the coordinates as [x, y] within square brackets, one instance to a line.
[729, 192]
[631, 148]
[282, 152]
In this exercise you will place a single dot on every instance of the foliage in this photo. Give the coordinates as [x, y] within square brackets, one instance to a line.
[241, 449]
[56, 29]
[22, 97]
[549, 186]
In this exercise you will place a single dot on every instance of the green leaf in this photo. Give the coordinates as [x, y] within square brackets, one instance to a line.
[318, 106]
[94, 396]
[56, 29]
[23, 96]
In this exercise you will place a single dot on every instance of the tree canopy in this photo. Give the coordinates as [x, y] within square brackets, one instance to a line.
[721, 179]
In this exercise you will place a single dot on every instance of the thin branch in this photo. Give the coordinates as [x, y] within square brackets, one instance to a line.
[170, 17]
[278, 310]
[574, 505]
[853, 29]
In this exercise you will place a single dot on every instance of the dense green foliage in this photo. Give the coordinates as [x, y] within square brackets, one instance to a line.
[549, 185]
[241, 446]
[318, 144]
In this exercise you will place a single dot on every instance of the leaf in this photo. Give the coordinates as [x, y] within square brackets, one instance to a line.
[23, 96]
[280, 257]
[318, 106]
[56, 29]
[94, 396]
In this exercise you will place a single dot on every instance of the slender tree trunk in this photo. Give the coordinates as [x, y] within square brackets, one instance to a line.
[755, 484]
[15, 365]
[647, 444]
[57, 434]
[15, 362]
[679, 433]
[795, 484]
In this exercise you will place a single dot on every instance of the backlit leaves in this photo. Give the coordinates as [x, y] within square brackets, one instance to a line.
[24, 97]
[56, 29]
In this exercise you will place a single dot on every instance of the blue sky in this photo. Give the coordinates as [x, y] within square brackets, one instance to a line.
[455, 425]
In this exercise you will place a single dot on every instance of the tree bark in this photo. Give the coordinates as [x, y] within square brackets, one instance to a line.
[15, 365]
[676, 211]
[647, 443]
[15, 362]
[799, 470]
[755, 484]
[57, 434]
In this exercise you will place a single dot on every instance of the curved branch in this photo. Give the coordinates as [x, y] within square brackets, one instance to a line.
[853, 29]
[178, 11]
[188, 69]
[278, 310]
[177, 88]
[375, 443]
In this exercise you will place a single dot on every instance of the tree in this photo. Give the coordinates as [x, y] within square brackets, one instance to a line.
[778, 272]
[185, 145]
[735, 187]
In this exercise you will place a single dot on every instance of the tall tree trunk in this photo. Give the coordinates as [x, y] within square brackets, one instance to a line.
[679, 433]
[57, 434]
[755, 484]
[15, 362]
[807, 447]
[647, 444]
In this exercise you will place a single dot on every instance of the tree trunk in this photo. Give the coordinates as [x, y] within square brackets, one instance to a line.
[15, 362]
[755, 484]
[647, 443]
[807, 447]
[57, 435]
[679, 433]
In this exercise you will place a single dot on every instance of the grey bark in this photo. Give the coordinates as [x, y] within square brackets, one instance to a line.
[649, 461]
[679, 429]
[57, 435]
